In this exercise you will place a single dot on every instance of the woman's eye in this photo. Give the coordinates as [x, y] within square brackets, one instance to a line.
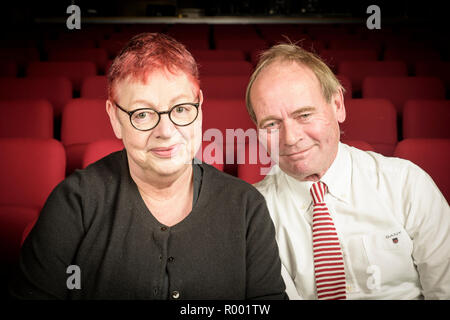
[141, 115]
[179, 109]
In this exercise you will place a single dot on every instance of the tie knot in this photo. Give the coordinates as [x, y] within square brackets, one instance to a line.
[318, 190]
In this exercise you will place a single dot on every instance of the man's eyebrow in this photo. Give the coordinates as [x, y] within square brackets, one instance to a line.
[297, 111]
[303, 109]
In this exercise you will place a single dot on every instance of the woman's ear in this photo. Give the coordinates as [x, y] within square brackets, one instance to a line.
[114, 119]
[200, 97]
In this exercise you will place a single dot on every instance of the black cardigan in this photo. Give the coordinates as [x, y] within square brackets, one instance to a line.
[96, 219]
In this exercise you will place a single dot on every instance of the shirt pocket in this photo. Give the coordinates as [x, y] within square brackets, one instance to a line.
[390, 257]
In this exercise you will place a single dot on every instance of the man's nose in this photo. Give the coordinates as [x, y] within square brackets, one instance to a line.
[165, 127]
[291, 133]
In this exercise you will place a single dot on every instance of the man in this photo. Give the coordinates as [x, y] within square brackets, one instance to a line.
[350, 224]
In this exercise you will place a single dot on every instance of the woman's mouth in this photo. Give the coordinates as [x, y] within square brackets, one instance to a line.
[166, 152]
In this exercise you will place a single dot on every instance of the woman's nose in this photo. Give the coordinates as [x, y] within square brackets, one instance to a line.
[165, 127]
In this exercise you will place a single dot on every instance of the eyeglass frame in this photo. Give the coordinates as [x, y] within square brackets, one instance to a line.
[159, 113]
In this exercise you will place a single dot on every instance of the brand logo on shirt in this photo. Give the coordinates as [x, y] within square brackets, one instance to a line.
[393, 237]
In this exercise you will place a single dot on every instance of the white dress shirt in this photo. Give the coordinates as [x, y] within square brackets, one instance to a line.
[392, 221]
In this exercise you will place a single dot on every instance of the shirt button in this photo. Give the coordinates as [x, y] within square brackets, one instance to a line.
[175, 294]
[170, 259]
[163, 228]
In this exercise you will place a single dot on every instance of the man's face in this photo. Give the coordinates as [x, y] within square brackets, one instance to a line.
[167, 148]
[287, 100]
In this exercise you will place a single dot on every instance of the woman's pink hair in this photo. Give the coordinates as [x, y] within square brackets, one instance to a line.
[148, 52]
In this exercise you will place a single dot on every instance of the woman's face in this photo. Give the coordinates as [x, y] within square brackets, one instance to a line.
[166, 149]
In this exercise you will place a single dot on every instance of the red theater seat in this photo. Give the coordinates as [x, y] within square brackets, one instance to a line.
[83, 121]
[224, 87]
[75, 71]
[345, 82]
[432, 155]
[373, 121]
[333, 57]
[99, 56]
[22, 56]
[356, 71]
[57, 90]
[400, 89]
[426, 119]
[246, 44]
[225, 68]
[221, 55]
[99, 149]
[411, 55]
[362, 145]
[439, 69]
[94, 87]
[253, 162]
[30, 169]
[8, 69]
[26, 119]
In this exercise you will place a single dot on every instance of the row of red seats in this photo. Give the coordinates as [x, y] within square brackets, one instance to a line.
[59, 90]
[85, 121]
[31, 168]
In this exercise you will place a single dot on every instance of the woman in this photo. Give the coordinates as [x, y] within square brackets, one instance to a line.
[148, 222]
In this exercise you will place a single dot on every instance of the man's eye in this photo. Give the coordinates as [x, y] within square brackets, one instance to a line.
[305, 115]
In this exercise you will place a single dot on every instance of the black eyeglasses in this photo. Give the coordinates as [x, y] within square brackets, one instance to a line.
[145, 119]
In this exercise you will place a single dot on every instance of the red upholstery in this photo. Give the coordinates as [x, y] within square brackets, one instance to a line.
[362, 145]
[75, 71]
[334, 57]
[8, 69]
[426, 119]
[26, 119]
[221, 55]
[373, 121]
[224, 87]
[411, 55]
[96, 150]
[440, 69]
[225, 68]
[345, 82]
[83, 121]
[112, 46]
[22, 56]
[94, 87]
[99, 56]
[57, 90]
[400, 89]
[30, 169]
[432, 155]
[253, 162]
[246, 44]
[356, 71]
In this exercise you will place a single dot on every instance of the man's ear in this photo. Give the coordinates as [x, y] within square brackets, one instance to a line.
[113, 118]
[338, 106]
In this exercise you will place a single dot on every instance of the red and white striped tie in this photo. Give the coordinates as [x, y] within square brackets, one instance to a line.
[328, 259]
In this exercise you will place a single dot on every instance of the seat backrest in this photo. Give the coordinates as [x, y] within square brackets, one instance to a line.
[432, 155]
[101, 148]
[57, 90]
[75, 71]
[362, 145]
[426, 119]
[94, 87]
[99, 56]
[83, 121]
[434, 68]
[373, 121]
[30, 169]
[401, 89]
[356, 71]
[220, 55]
[224, 87]
[225, 68]
[8, 69]
[333, 57]
[31, 118]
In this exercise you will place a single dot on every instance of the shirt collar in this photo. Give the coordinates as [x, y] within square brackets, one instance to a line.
[337, 178]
